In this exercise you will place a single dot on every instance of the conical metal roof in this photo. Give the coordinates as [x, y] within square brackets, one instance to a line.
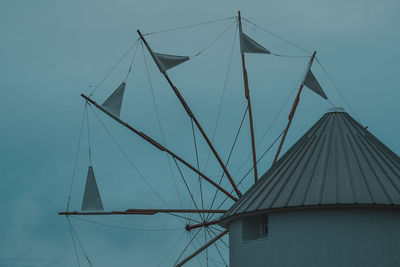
[337, 162]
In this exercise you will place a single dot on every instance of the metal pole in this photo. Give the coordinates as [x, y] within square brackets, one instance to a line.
[191, 115]
[293, 110]
[194, 254]
[158, 145]
[141, 212]
[247, 95]
[190, 227]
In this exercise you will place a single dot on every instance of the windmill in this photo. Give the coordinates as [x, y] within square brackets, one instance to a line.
[92, 203]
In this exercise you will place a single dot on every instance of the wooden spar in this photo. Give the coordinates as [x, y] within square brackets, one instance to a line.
[190, 227]
[293, 110]
[158, 145]
[191, 115]
[140, 212]
[247, 95]
[197, 252]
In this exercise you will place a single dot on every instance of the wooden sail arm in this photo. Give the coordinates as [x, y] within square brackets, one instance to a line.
[191, 115]
[197, 252]
[190, 227]
[158, 145]
[142, 212]
[293, 111]
[247, 95]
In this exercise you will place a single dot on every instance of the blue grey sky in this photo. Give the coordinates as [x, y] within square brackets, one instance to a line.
[51, 51]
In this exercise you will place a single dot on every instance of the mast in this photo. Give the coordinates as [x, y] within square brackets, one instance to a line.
[143, 212]
[191, 115]
[247, 95]
[294, 107]
[158, 145]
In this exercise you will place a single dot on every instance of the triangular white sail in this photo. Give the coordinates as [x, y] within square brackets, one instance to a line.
[311, 82]
[166, 62]
[114, 102]
[248, 45]
[91, 198]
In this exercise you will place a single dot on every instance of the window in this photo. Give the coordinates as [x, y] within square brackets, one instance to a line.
[265, 225]
[255, 227]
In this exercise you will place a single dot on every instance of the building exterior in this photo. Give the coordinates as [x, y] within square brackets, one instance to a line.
[332, 200]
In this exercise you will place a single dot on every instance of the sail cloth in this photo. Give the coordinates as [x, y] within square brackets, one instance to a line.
[311, 82]
[166, 62]
[91, 198]
[248, 45]
[114, 102]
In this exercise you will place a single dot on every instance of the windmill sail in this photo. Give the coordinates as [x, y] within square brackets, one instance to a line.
[311, 82]
[114, 102]
[91, 198]
[248, 45]
[166, 62]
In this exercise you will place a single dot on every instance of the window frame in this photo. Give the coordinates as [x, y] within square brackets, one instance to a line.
[255, 228]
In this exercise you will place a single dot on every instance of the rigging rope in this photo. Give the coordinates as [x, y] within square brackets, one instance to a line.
[222, 97]
[188, 26]
[186, 218]
[198, 168]
[288, 56]
[272, 123]
[194, 247]
[241, 180]
[229, 157]
[216, 246]
[275, 35]
[130, 65]
[207, 258]
[205, 240]
[172, 248]
[79, 243]
[220, 238]
[88, 136]
[186, 185]
[112, 69]
[215, 262]
[266, 151]
[186, 247]
[128, 159]
[216, 229]
[73, 241]
[213, 42]
[160, 127]
[337, 89]
[125, 228]
[279, 37]
[76, 157]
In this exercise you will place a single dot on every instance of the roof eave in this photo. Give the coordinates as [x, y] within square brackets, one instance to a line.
[225, 221]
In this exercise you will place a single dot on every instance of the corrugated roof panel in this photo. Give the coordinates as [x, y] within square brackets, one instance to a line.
[286, 182]
[345, 187]
[297, 193]
[391, 180]
[336, 162]
[293, 181]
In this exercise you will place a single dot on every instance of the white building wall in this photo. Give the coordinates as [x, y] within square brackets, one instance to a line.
[322, 238]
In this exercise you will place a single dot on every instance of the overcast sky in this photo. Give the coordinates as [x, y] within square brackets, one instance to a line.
[51, 51]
